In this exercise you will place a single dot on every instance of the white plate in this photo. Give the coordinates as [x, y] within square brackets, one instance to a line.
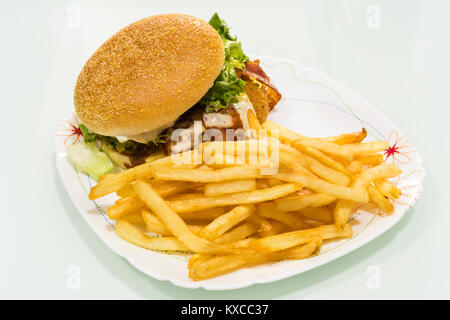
[312, 104]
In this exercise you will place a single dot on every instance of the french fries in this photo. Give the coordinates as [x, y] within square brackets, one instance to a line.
[294, 238]
[240, 232]
[387, 189]
[234, 199]
[320, 214]
[296, 203]
[342, 212]
[219, 188]
[377, 198]
[125, 206]
[130, 233]
[312, 165]
[205, 267]
[217, 203]
[253, 122]
[231, 173]
[225, 222]
[112, 183]
[351, 193]
[269, 210]
[333, 149]
[173, 222]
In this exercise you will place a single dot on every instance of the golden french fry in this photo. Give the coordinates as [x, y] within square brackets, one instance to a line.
[372, 160]
[262, 184]
[300, 252]
[275, 228]
[323, 158]
[342, 211]
[114, 182]
[173, 187]
[125, 206]
[346, 138]
[290, 136]
[233, 186]
[367, 148]
[387, 189]
[134, 218]
[254, 123]
[226, 221]
[238, 233]
[254, 196]
[164, 189]
[224, 161]
[126, 191]
[172, 221]
[330, 148]
[264, 226]
[269, 210]
[204, 267]
[376, 197]
[319, 185]
[382, 171]
[285, 135]
[186, 196]
[207, 214]
[294, 238]
[321, 214]
[296, 161]
[296, 203]
[253, 153]
[130, 233]
[193, 175]
[293, 161]
[153, 224]
[355, 167]
[273, 182]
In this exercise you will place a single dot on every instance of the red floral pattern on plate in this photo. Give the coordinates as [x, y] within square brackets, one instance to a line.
[70, 128]
[399, 149]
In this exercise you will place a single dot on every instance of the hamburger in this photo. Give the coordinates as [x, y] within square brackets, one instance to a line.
[162, 74]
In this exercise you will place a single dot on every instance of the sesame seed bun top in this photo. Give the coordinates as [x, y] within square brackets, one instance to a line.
[148, 74]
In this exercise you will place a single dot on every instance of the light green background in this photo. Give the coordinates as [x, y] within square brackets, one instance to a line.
[403, 68]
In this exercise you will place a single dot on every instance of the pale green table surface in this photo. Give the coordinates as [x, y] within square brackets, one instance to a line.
[394, 53]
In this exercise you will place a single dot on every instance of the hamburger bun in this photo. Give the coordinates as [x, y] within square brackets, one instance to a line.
[148, 74]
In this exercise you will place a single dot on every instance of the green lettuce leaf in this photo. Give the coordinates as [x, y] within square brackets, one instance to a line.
[221, 27]
[228, 86]
[87, 135]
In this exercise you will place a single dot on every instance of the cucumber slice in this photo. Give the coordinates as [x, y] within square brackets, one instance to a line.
[89, 159]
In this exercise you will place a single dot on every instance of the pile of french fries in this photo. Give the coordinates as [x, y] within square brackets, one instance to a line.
[239, 208]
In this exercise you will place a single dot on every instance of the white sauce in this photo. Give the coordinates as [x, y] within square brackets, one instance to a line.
[242, 108]
[145, 137]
